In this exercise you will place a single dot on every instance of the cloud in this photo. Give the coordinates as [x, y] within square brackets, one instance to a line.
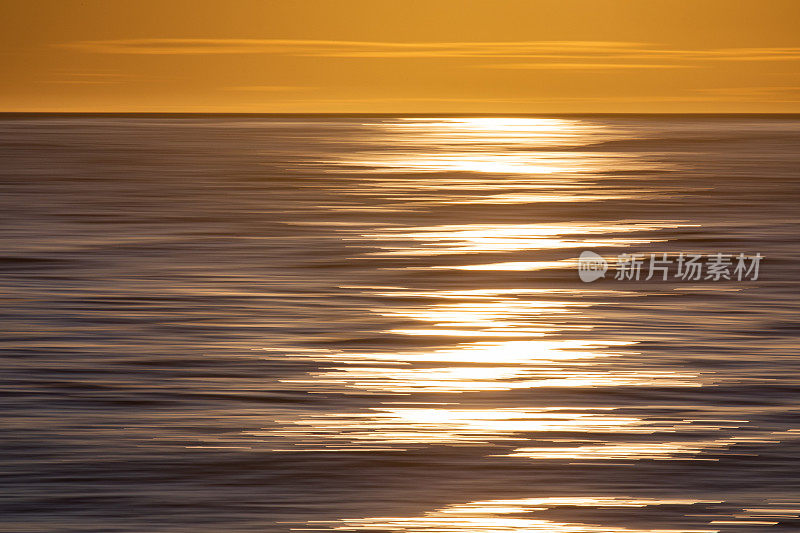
[700, 97]
[583, 66]
[348, 48]
[755, 92]
[366, 49]
[66, 77]
[84, 82]
[268, 88]
[515, 55]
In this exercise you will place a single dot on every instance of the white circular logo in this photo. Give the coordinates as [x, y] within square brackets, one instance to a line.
[591, 266]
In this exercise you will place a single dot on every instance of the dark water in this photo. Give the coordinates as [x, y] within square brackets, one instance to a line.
[268, 324]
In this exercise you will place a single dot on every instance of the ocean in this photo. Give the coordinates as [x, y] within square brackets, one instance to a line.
[375, 323]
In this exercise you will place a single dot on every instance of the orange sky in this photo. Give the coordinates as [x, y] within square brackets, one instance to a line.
[537, 56]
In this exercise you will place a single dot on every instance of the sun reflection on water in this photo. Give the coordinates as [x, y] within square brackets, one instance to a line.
[416, 163]
[459, 343]
[504, 516]
[525, 355]
[487, 238]
[391, 426]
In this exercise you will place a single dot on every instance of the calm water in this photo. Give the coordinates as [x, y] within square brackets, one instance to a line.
[230, 324]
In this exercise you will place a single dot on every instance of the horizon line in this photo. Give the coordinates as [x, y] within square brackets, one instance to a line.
[383, 114]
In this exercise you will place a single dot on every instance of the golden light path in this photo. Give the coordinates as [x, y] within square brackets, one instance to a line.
[503, 339]
[522, 357]
[503, 516]
[486, 238]
[389, 426]
[499, 161]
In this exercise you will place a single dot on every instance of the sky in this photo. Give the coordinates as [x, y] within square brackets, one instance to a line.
[393, 56]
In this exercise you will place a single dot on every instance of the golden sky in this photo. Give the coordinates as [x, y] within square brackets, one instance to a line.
[493, 56]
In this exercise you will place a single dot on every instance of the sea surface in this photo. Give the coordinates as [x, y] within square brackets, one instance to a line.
[375, 324]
